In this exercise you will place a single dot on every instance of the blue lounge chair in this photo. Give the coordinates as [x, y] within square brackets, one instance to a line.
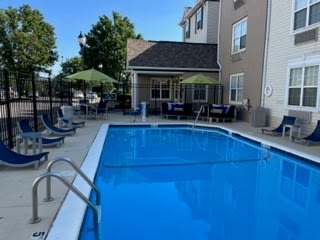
[14, 159]
[65, 120]
[136, 112]
[24, 126]
[287, 120]
[55, 130]
[314, 137]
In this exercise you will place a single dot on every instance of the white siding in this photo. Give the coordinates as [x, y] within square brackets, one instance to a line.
[209, 31]
[282, 50]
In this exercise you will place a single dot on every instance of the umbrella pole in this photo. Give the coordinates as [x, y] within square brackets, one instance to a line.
[101, 97]
[199, 98]
[84, 92]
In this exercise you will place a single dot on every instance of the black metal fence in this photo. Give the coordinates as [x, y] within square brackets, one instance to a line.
[28, 96]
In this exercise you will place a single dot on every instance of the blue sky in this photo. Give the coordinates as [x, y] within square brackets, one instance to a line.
[154, 19]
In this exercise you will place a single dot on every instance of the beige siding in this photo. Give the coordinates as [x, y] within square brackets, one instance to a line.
[250, 61]
[281, 51]
[212, 22]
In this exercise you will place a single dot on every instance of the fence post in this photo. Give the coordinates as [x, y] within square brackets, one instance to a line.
[7, 96]
[61, 97]
[34, 101]
[50, 94]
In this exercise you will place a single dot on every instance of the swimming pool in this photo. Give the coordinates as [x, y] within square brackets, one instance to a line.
[219, 186]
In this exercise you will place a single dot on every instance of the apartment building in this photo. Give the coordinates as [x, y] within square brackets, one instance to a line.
[200, 23]
[157, 67]
[241, 53]
[292, 78]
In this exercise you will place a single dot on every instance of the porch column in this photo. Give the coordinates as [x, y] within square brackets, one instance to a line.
[135, 90]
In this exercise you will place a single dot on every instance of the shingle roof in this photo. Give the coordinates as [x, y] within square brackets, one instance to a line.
[175, 55]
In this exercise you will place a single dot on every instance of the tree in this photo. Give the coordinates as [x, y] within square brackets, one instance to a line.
[107, 44]
[71, 66]
[27, 42]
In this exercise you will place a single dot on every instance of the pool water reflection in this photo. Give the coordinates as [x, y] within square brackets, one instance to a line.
[236, 191]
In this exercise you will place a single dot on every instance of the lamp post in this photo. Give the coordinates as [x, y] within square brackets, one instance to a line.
[122, 83]
[82, 42]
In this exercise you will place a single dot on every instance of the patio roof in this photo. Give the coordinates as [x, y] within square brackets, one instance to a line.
[164, 55]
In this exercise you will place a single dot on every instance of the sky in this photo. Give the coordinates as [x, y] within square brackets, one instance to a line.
[154, 19]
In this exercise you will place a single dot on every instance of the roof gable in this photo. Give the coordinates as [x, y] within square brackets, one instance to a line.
[176, 55]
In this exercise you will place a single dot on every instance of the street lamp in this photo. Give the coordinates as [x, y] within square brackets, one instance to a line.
[100, 66]
[122, 83]
[82, 42]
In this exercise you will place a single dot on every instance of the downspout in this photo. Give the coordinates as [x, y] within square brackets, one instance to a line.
[265, 58]
[218, 43]
[218, 50]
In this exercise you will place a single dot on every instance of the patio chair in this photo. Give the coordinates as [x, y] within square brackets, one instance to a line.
[55, 130]
[65, 121]
[24, 126]
[314, 137]
[287, 120]
[14, 159]
[100, 110]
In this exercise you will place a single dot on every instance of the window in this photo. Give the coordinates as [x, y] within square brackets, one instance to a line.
[200, 93]
[239, 35]
[160, 89]
[306, 13]
[187, 29]
[303, 86]
[295, 182]
[199, 20]
[236, 88]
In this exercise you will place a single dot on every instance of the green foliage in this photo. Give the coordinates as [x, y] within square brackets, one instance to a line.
[27, 42]
[71, 66]
[107, 43]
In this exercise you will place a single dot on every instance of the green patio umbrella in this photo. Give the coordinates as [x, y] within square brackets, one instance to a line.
[92, 75]
[200, 79]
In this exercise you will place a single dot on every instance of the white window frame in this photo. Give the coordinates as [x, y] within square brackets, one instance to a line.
[199, 20]
[235, 38]
[238, 99]
[290, 186]
[296, 8]
[187, 29]
[195, 88]
[303, 63]
[161, 82]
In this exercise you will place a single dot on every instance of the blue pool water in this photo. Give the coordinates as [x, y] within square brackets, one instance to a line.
[201, 184]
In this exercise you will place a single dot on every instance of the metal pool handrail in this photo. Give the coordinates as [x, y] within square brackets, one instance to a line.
[36, 219]
[199, 112]
[48, 197]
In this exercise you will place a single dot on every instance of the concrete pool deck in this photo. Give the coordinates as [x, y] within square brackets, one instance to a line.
[16, 183]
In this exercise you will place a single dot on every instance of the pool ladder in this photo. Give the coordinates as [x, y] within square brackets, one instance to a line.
[95, 207]
[200, 111]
